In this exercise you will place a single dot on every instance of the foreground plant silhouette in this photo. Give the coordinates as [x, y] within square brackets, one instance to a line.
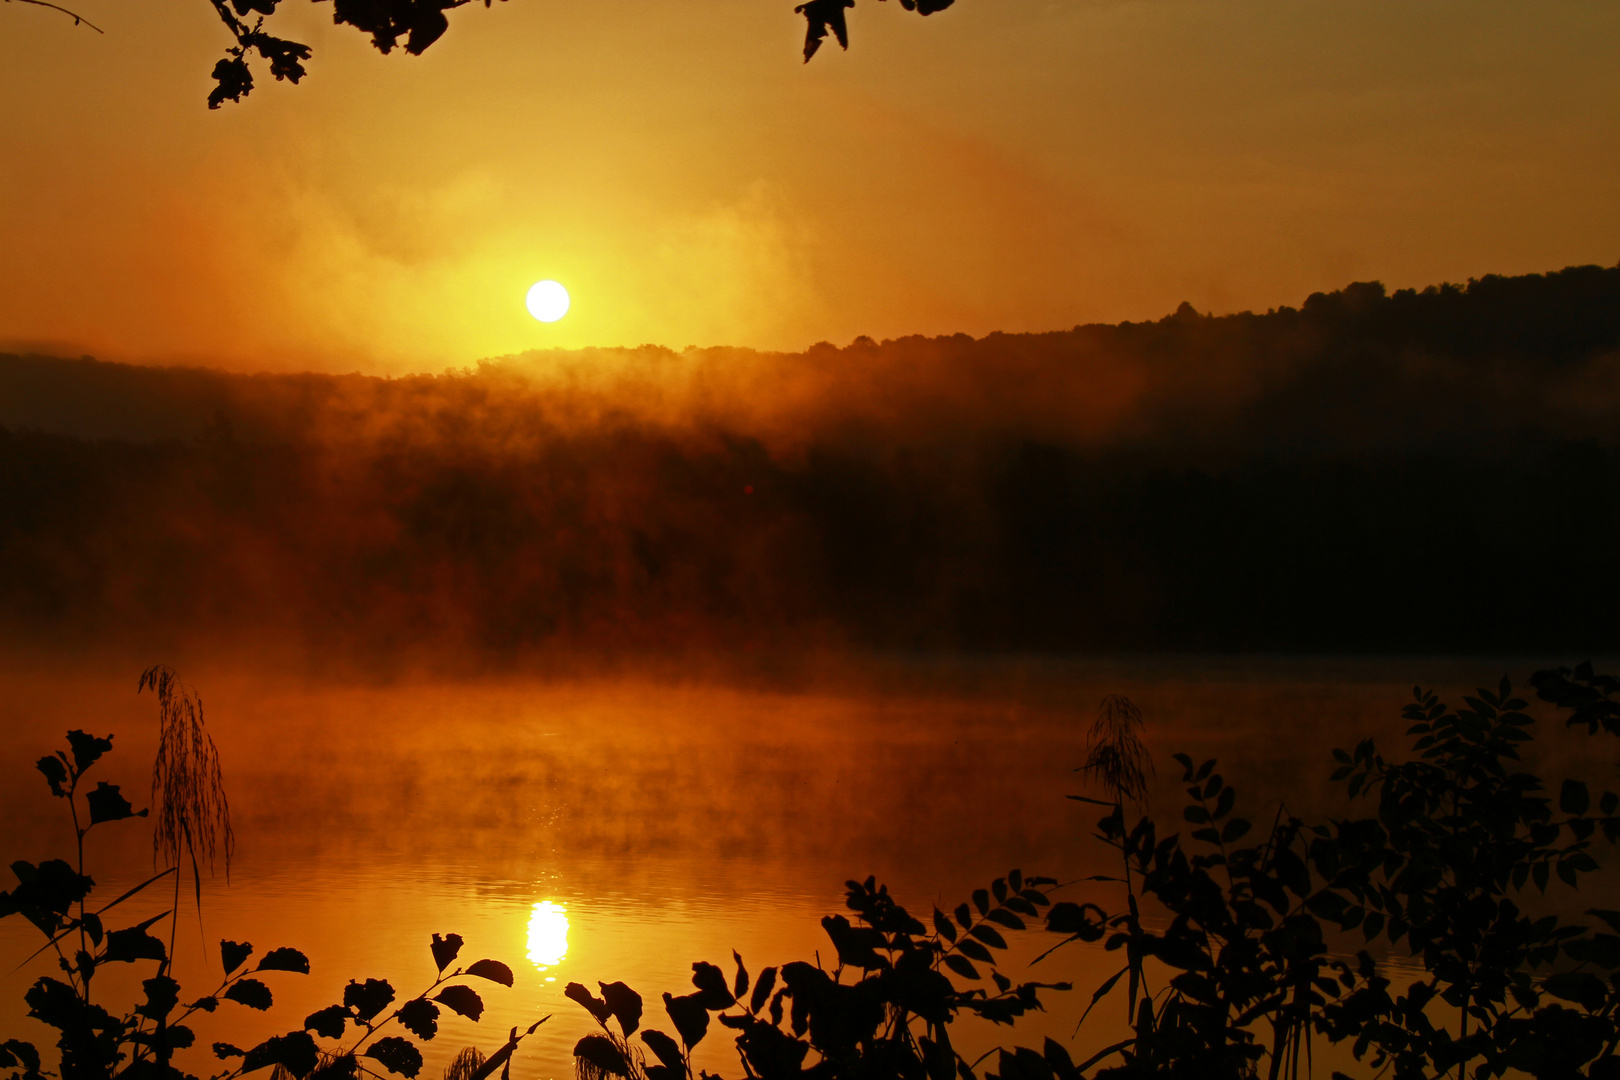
[1257, 948]
[891, 1019]
[1253, 957]
[138, 1042]
[1264, 945]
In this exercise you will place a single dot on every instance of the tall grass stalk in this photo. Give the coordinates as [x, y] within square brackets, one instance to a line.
[191, 814]
[1117, 759]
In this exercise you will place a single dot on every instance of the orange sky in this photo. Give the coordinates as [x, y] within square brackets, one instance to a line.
[1006, 164]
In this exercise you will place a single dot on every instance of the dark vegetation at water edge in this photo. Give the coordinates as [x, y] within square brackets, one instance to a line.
[1234, 943]
[1280, 481]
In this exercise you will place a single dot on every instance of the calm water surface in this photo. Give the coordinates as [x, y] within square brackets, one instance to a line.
[598, 831]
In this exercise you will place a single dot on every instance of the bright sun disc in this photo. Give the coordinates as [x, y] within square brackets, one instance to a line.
[547, 301]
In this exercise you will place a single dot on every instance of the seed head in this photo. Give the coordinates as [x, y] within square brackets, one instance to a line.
[1114, 751]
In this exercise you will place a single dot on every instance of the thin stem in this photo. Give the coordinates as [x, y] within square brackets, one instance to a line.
[1133, 948]
[1468, 991]
[73, 808]
[218, 991]
[372, 1030]
[174, 924]
[74, 15]
[161, 1023]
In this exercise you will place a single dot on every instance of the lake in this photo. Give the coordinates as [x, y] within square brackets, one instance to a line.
[620, 829]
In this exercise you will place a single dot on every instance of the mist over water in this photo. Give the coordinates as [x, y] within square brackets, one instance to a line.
[615, 660]
[1360, 475]
[665, 820]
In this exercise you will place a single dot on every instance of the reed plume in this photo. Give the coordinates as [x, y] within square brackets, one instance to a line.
[190, 811]
[466, 1064]
[1114, 751]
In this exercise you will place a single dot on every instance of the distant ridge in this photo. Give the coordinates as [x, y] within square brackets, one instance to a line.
[1433, 471]
[1524, 352]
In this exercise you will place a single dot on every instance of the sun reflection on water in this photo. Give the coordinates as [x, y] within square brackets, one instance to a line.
[548, 935]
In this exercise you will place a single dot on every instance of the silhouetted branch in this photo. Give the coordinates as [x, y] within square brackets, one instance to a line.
[230, 20]
[414, 24]
[74, 15]
[827, 16]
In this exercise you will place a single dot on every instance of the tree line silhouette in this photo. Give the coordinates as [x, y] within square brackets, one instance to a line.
[1285, 481]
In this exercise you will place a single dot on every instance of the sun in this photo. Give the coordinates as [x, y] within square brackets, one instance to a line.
[547, 301]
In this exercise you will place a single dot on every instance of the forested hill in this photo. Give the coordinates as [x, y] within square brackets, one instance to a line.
[1430, 470]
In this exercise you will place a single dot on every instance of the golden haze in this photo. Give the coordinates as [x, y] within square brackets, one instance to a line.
[1014, 165]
